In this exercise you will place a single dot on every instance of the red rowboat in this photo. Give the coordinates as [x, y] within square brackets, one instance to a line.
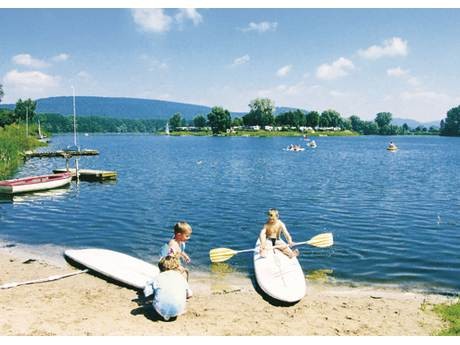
[34, 183]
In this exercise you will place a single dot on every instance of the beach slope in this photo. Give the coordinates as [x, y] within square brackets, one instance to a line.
[87, 305]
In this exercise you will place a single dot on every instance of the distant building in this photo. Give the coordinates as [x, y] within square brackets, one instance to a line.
[333, 129]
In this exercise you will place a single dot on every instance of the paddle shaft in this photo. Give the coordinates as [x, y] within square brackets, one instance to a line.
[43, 280]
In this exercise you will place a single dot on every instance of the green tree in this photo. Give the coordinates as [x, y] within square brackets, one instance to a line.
[357, 124]
[345, 124]
[6, 117]
[25, 109]
[199, 121]
[405, 128]
[219, 119]
[450, 126]
[383, 121]
[261, 112]
[1, 93]
[370, 127]
[237, 122]
[175, 121]
[312, 119]
[330, 118]
[333, 117]
[291, 118]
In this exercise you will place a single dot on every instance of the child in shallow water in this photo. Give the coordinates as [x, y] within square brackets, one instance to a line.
[272, 231]
[176, 246]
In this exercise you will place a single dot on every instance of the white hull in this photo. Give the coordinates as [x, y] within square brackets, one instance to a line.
[279, 276]
[118, 266]
[32, 187]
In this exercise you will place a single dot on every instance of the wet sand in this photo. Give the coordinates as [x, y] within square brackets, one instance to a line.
[223, 304]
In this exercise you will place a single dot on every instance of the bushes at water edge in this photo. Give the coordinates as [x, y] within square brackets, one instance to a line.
[13, 143]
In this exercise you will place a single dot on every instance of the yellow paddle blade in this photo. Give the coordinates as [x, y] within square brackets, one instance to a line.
[322, 240]
[221, 254]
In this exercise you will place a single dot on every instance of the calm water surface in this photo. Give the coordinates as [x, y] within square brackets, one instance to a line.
[395, 216]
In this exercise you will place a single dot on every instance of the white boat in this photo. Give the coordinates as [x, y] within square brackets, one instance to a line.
[295, 148]
[167, 128]
[312, 144]
[42, 138]
[279, 276]
[34, 183]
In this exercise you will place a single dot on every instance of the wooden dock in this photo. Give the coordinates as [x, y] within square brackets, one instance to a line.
[60, 153]
[89, 174]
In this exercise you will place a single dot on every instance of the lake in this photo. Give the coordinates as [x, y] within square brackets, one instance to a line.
[394, 215]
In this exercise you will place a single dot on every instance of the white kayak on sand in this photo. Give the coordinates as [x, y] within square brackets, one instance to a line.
[279, 276]
[115, 265]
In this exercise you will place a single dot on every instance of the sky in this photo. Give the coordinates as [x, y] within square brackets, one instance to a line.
[356, 61]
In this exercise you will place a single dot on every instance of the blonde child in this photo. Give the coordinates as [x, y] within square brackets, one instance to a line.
[272, 231]
[176, 246]
[169, 288]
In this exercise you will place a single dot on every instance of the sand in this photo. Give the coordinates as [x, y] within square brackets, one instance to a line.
[223, 304]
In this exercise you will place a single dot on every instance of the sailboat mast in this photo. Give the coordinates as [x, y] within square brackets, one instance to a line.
[74, 119]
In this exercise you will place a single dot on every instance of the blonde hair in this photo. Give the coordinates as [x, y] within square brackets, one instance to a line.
[273, 211]
[182, 228]
[168, 263]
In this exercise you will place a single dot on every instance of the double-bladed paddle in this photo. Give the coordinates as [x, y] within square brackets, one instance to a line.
[223, 254]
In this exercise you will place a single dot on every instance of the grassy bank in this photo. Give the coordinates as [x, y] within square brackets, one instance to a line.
[13, 143]
[451, 314]
[263, 133]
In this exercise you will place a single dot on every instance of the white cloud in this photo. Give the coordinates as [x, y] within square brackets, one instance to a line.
[395, 46]
[29, 84]
[156, 20]
[241, 60]
[152, 19]
[85, 76]
[337, 69]
[29, 61]
[284, 71]
[424, 96]
[61, 57]
[154, 64]
[189, 13]
[413, 81]
[397, 72]
[335, 93]
[261, 27]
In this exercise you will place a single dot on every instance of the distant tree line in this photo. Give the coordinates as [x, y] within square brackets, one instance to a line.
[262, 114]
[57, 123]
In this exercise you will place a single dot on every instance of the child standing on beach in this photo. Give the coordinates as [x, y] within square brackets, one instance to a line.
[176, 246]
[272, 231]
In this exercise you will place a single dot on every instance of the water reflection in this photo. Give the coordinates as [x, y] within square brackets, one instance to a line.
[51, 194]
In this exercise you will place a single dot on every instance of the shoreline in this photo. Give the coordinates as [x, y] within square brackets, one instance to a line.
[222, 304]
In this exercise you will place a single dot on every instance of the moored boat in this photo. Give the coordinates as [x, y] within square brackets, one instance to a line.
[34, 183]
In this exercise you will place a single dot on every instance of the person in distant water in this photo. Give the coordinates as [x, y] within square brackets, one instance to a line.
[272, 231]
[391, 145]
[176, 246]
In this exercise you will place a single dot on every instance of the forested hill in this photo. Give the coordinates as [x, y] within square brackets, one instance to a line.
[117, 107]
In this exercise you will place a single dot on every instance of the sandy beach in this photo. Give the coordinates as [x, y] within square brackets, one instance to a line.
[223, 304]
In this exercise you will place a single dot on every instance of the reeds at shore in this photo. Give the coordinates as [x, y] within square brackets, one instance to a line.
[13, 143]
